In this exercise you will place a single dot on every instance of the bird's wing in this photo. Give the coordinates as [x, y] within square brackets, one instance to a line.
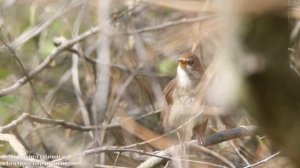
[168, 92]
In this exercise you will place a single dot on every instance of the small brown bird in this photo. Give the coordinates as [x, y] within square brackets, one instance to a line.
[180, 95]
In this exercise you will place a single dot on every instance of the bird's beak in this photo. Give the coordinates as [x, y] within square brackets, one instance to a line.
[182, 63]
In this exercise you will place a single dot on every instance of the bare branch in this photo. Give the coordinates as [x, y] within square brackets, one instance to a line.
[168, 24]
[14, 123]
[206, 141]
[75, 67]
[108, 149]
[214, 154]
[121, 150]
[228, 135]
[124, 68]
[47, 61]
[24, 116]
[239, 153]
[26, 36]
[67, 124]
[263, 161]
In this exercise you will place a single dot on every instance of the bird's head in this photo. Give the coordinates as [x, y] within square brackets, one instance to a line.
[189, 62]
[189, 69]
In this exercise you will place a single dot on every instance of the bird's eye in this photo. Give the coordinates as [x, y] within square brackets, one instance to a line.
[190, 62]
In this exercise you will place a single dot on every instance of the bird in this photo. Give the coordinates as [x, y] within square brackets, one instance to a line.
[181, 95]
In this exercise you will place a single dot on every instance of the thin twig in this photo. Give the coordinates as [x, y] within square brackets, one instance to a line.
[124, 68]
[214, 154]
[167, 25]
[35, 95]
[163, 155]
[168, 133]
[207, 141]
[14, 123]
[67, 124]
[24, 116]
[156, 161]
[107, 149]
[239, 154]
[75, 66]
[21, 139]
[33, 32]
[116, 160]
[47, 61]
[264, 160]
[122, 150]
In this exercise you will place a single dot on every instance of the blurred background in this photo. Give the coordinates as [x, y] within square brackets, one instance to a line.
[97, 70]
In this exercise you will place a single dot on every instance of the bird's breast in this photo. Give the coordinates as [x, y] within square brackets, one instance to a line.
[183, 110]
[183, 79]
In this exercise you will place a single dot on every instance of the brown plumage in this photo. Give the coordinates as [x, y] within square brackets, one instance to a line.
[180, 95]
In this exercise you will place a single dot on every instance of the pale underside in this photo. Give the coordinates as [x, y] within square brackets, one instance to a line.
[182, 111]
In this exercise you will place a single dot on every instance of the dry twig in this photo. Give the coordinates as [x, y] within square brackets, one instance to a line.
[14, 123]
[263, 161]
[206, 141]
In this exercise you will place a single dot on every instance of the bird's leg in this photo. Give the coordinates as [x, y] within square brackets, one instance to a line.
[199, 131]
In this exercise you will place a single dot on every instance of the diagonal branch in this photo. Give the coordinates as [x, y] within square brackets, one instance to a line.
[33, 32]
[68, 125]
[264, 160]
[206, 141]
[228, 135]
[12, 125]
[169, 24]
[47, 61]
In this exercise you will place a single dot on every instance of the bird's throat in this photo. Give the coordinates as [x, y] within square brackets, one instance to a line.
[183, 78]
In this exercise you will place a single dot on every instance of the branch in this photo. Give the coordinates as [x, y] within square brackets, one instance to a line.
[108, 149]
[214, 154]
[263, 161]
[47, 61]
[123, 150]
[164, 155]
[143, 133]
[14, 123]
[123, 68]
[228, 135]
[41, 120]
[33, 32]
[168, 24]
[206, 141]
[67, 124]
